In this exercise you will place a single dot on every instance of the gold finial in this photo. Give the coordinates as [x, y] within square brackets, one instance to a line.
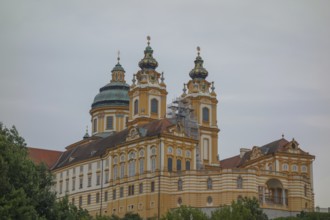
[118, 57]
[148, 38]
[198, 50]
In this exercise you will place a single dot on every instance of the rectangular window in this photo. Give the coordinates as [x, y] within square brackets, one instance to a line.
[141, 166]
[74, 171]
[109, 123]
[106, 177]
[131, 190]
[97, 197]
[89, 166]
[141, 188]
[98, 179]
[152, 188]
[89, 181]
[114, 194]
[72, 201]
[94, 125]
[122, 170]
[67, 185]
[153, 164]
[106, 196]
[107, 163]
[80, 200]
[67, 173]
[73, 184]
[121, 192]
[80, 183]
[81, 168]
[98, 164]
[89, 199]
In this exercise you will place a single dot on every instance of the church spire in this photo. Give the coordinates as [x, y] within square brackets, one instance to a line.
[199, 72]
[148, 62]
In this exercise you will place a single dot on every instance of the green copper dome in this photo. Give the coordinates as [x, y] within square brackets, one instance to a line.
[148, 62]
[114, 93]
[199, 72]
[118, 67]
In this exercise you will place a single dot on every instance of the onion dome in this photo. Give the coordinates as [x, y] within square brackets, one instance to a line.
[114, 93]
[199, 72]
[148, 62]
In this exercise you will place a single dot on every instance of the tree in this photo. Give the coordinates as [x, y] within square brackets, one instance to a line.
[25, 188]
[243, 209]
[185, 213]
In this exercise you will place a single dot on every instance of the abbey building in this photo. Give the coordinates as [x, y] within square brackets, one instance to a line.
[147, 156]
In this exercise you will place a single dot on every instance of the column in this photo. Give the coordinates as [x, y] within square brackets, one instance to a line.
[283, 196]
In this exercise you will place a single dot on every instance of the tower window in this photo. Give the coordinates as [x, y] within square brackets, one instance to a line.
[94, 125]
[206, 114]
[154, 106]
[136, 107]
[109, 122]
[169, 164]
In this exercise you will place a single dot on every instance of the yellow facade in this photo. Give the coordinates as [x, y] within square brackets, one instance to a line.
[149, 163]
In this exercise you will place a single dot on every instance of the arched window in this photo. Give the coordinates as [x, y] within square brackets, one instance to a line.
[153, 164]
[122, 170]
[136, 107]
[131, 168]
[154, 106]
[169, 164]
[188, 165]
[285, 167]
[141, 166]
[178, 165]
[209, 183]
[239, 182]
[180, 183]
[115, 172]
[206, 114]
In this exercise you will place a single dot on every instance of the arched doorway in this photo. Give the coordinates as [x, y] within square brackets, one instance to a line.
[273, 193]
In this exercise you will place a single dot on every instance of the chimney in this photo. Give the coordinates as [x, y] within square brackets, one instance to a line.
[243, 151]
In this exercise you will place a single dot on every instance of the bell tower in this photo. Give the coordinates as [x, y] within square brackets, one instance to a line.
[148, 93]
[200, 93]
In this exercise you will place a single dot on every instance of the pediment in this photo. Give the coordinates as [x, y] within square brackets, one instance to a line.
[256, 153]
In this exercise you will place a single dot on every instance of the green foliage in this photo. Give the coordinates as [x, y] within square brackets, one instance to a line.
[128, 216]
[25, 188]
[185, 213]
[244, 209]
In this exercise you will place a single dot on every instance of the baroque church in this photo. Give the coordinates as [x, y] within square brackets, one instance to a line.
[147, 156]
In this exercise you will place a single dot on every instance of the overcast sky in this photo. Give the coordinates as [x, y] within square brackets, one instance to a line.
[269, 61]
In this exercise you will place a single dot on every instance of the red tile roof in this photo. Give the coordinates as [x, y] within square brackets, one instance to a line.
[49, 157]
[231, 162]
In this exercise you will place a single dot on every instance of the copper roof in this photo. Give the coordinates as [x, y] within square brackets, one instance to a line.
[92, 147]
[48, 157]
